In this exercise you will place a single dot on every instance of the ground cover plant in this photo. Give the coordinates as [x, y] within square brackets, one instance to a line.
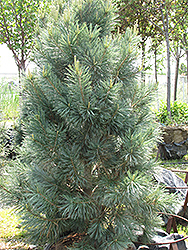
[85, 164]
[9, 100]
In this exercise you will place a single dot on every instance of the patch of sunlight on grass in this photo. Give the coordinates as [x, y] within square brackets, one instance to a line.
[12, 234]
[10, 224]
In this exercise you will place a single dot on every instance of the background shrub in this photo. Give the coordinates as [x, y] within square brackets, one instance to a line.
[179, 113]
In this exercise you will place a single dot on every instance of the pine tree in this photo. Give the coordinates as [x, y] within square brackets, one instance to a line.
[84, 169]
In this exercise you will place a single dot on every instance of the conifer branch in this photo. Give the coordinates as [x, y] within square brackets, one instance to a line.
[44, 218]
[70, 46]
[39, 65]
[56, 43]
[99, 60]
[35, 90]
[48, 233]
[106, 171]
[103, 55]
[55, 140]
[42, 126]
[80, 84]
[75, 171]
[29, 93]
[133, 97]
[53, 85]
[45, 146]
[40, 143]
[5, 189]
[114, 114]
[110, 87]
[117, 74]
[51, 203]
[87, 131]
[131, 75]
[143, 97]
[41, 231]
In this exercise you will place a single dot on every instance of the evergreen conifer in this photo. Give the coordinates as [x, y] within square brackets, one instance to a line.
[84, 169]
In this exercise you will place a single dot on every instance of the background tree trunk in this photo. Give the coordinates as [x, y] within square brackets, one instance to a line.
[176, 77]
[143, 61]
[187, 72]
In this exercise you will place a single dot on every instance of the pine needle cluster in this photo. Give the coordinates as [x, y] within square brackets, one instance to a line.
[84, 166]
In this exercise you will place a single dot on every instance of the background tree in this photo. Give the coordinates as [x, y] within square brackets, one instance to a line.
[85, 166]
[157, 50]
[183, 36]
[18, 21]
[164, 15]
[132, 14]
[177, 45]
[177, 52]
[171, 12]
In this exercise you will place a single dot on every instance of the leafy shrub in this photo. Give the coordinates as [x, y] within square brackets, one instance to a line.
[179, 113]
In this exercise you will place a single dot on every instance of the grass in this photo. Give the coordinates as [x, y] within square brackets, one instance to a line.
[10, 224]
[12, 234]
[9, 100]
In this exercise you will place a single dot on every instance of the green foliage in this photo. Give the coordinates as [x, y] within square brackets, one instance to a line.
[85, 164]
[183, 69]
[9, 100]
[179, 114]
[9, 104]
[18, 21]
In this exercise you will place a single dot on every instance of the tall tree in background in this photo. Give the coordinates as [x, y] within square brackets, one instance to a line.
[177, 52]
[157, 49]
[132, 14]
[184, 41]
[177, 46]
[18, 20]
[169, 11]
[162, 14]
[84, 172]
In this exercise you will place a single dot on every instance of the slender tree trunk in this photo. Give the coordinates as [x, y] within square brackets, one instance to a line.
[156, 77]
[143, 61]
[165, 27]
[21, 71]
[176, 77]
[168, 75]
[187, 72]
